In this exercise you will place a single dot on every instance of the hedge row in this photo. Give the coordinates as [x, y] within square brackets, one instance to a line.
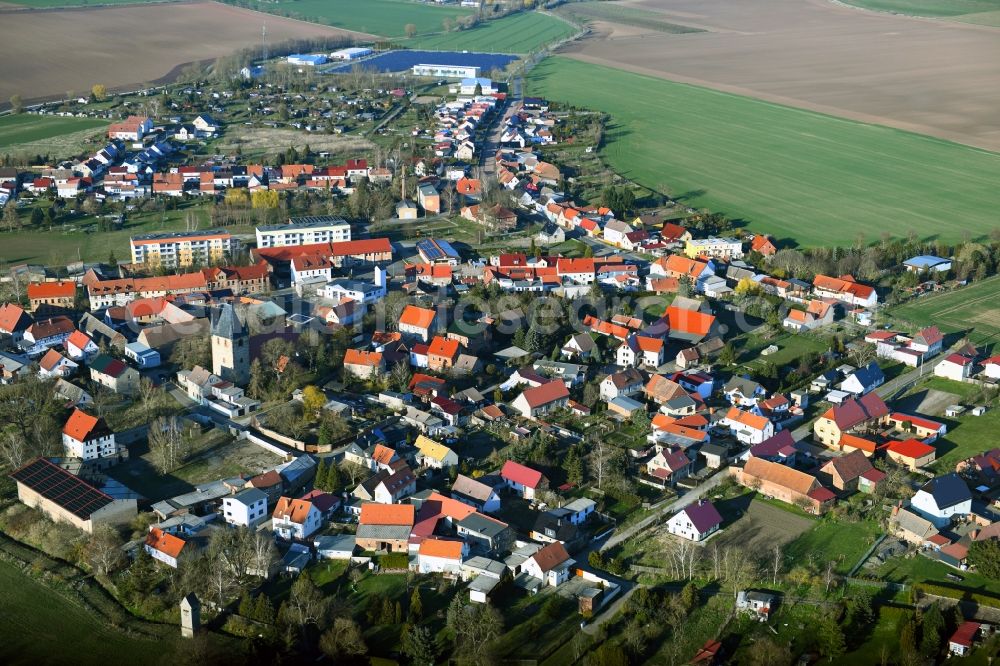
[963, 594]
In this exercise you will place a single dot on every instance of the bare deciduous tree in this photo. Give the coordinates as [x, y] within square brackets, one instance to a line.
[168, 444]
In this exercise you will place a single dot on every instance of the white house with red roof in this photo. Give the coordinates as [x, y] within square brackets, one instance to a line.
[964, 638]
[846, 289]
[88, 437]
[54, 364]
[522, 479]
[669, 466]
[641, 350]
[441, 556]
[79, 346]
[538, 400]
[550, 564]
[927, 343]
[991, 367]
[165, 547]
[695, 522]
[747, 427]
[956, 367]
[295, 518]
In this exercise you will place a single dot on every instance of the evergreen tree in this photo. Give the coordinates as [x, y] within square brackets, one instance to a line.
[418, 645]
[320, 481]
[263, 609]
[398, 613]
[931, 626]
[246, 605]
[334, 479]
[830, 638]
[416, 612]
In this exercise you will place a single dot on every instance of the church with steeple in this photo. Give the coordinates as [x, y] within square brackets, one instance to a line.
[230, 347]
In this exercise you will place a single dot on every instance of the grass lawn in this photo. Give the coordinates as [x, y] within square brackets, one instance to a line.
[919, 569]
[802, 176]
[975, 309]
[39, 626]
[827, 540]
[26, 127]
[967, 436]
[522, 33]
[883, 639]
[387, 18]
[79, 240]
[791, 348]
[46, 4]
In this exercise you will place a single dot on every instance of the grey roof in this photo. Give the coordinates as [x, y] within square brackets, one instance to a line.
[471, 488]
[580, 504]
[911, 522]
[484, 565]
[339, 542]
[227, 324]
[948, 490]
[250, 496]
[714, 450]
[384, 532]
[747, 387]
[480, 524]
[483, 583]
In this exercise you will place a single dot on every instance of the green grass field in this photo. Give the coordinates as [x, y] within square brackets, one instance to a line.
[39, 626]
[79, 240]
[387, 18]
[799, 175]
[928, 7]
[975, 308]
[25, 127]
[840, 541]
[521, 33]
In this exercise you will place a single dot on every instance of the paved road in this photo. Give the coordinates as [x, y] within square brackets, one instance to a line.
[662, 508]
[492, 144]
[886, 391]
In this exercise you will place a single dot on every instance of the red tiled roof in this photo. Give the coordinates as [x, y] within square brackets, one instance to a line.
[444, 548]
[61, 289]
[911, 448]
[545, 393]
[168, 544]
[518, 473]
[81, 425]
[386, 514]
[417, 316]
[689, 321]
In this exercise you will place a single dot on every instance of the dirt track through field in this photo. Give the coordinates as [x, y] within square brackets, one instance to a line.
[49, 53]
[933, 77]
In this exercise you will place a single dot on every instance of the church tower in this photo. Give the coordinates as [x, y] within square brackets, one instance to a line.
[230, 347]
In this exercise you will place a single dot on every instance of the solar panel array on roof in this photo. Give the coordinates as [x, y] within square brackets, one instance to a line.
[434, 249]
[59, 486]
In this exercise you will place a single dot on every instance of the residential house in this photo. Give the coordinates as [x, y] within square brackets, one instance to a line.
[385, 527]
[964, 638]
[845, 289]
[850, 417]
[669, 466]
[538, 400]
[695, 522]
[165, 547]
[786, 484]
[79, 346]
[364, 364]
[114, 374]
[764, 245]
[621, 384]
[295, 518]
[54, 364]
[863, 380]
[956, 367]
[911, 527]
[942, 498]
[417, 322]
[747, 427]
[247, 508]
[845, 472]
[434, 454]
[523, 480]
[51, 296]
[721, 248]
[550, 564]
[918, 426]
[779, 448]
[743, 392]
[911, 453]
[641, 350]
[46, 333]
[442, 354]
[476, 494]
[442, 556]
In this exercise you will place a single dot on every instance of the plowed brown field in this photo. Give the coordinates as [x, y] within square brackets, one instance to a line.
[49, 53]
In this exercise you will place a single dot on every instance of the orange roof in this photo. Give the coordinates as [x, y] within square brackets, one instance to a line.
[451, 507]
[451, 550]
[565, 266]
[443, 347]
[417, 317]
[689, 321]
[648, 344]
[359, 357]
[78, 339]
[855, 442]
[383, 454]
[80, 425]
[386, 514]
[294, 510]
[168, 544]
[746, 418]
[693, 268]
[50, 360]
[61, 289]
[781, 475]
[911, 448]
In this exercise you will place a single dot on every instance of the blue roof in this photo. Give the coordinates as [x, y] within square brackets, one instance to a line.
[435, 249]
[400, 61]
[926, 261]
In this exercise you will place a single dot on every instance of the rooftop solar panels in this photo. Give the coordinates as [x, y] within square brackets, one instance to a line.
[435, 250]
[62, 488]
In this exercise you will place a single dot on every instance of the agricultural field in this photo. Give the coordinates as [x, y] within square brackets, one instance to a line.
[49, 4]
[387, 18]
[34, 618]
[974, 309]
[27, 128]
[199, 31]
[799, 175]
[926, 76]
[624, 15]
[522, 33]
[932, 8]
